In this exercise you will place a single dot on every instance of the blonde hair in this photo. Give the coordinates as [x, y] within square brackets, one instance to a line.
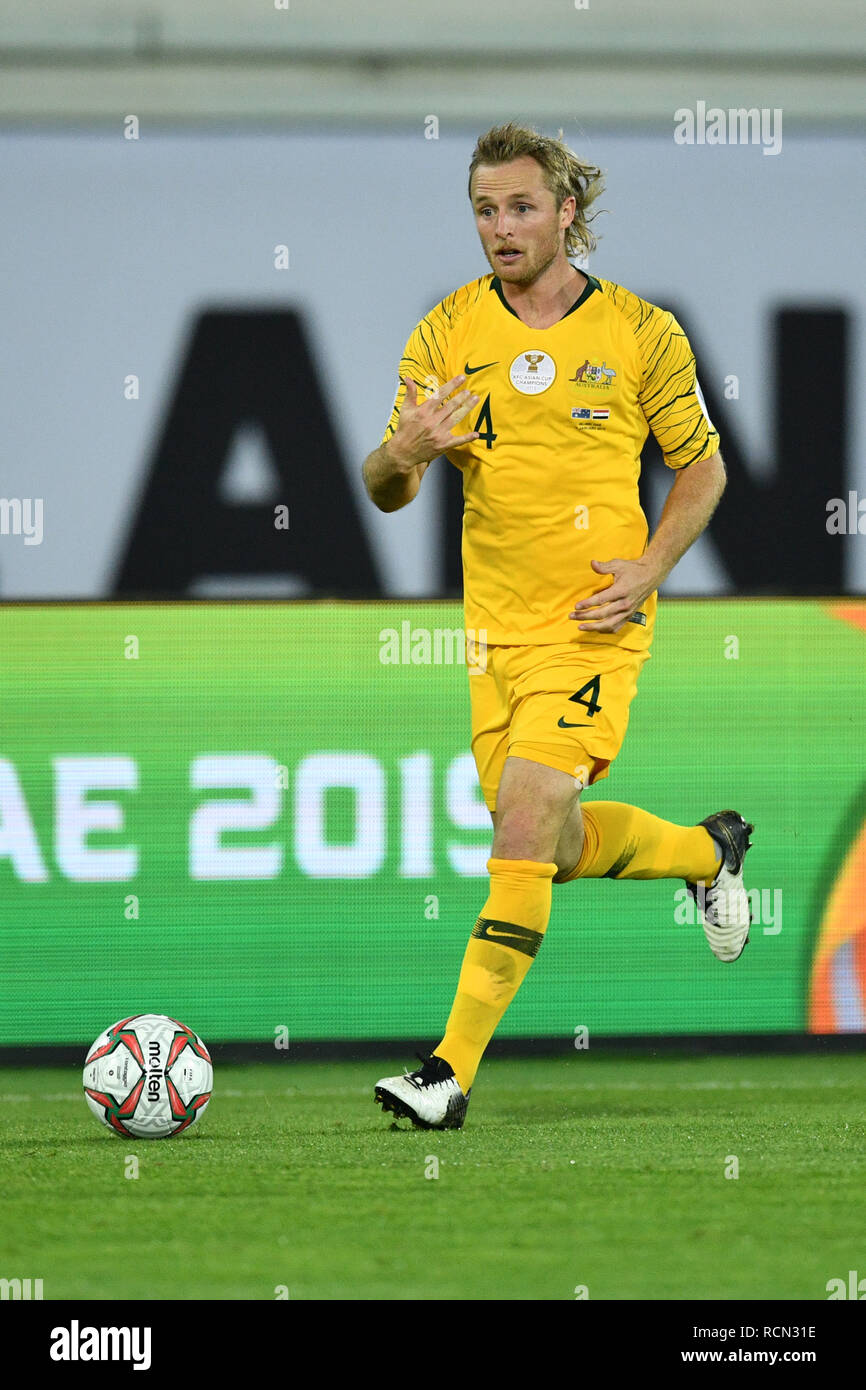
[565, 175]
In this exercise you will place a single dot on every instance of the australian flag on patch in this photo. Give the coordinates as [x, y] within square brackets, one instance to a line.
[581, 412]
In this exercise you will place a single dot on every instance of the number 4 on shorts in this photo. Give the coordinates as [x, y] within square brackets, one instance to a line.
[591, 704]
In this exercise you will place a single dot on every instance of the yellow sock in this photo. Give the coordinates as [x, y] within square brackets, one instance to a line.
[501, 949]
[623, 841]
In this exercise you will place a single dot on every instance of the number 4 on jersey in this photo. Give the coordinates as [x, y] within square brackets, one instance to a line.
[484, 418]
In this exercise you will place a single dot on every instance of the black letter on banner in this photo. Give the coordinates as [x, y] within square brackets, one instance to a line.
[247, 368]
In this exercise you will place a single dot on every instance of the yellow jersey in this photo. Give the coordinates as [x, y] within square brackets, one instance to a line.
[551, 483]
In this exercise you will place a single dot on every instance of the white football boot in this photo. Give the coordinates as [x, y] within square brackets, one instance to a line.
[429, 1097]
[724, 906]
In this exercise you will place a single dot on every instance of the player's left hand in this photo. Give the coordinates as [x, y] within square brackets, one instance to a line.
[611, 607]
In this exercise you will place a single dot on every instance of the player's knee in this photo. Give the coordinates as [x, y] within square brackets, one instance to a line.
[570, 845]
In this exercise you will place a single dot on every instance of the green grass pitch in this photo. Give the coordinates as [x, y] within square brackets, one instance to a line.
[589, 1170]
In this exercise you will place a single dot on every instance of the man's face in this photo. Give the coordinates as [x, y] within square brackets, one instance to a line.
[521, 228]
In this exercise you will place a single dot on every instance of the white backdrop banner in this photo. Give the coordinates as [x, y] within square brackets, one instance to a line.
[113, 249]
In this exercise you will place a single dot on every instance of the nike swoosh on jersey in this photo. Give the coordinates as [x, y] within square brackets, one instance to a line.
[563, 725]
[469, 371]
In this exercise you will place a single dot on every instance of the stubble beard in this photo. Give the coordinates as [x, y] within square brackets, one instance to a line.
[531, 272]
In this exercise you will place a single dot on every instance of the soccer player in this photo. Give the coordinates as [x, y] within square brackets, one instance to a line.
[540, 383]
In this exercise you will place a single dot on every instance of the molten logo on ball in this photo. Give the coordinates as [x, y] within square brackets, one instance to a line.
[148, 1077]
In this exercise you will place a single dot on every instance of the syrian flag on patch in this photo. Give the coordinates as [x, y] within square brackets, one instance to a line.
[603, 414]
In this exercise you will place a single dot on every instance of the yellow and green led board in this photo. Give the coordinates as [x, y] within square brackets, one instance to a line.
[263, 818]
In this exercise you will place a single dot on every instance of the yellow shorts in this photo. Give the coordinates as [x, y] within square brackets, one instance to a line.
[562, 705]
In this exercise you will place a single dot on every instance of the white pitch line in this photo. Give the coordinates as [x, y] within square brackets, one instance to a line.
[14, 1097]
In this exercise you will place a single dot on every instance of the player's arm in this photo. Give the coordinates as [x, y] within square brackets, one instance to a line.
[393, 472]
[693, 498]
[688, 507]
[674, 409]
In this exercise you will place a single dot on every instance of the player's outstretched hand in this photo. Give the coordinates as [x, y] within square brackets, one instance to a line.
[424, 431]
